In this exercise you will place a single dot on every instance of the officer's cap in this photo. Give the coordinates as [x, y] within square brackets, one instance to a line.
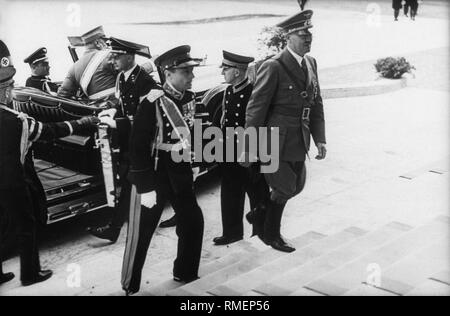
[235, 60]
[88, 37]
[119, 46]
[297, 22]
[7, 70]
[37, 56]
[178, 57]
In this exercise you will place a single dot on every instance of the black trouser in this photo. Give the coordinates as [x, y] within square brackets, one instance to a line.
[236, 182]
[17, 207]
[174, 184]
[120, 212]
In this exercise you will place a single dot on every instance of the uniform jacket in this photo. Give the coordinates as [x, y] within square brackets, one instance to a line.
[16, 166]
[41, 83]
[144, 134]
[129, 93]
[104, 77]
[277, 102]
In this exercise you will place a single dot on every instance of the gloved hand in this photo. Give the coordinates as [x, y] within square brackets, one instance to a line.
[148, 199]
[109, 112]
[108, 121]
[246, 160]
[88, 120]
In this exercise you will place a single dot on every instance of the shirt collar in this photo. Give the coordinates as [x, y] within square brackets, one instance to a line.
[128, 73]
[172, 91]
[297, 57]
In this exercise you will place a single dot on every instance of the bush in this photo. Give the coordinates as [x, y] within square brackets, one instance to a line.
[393, 68]
[272, 40]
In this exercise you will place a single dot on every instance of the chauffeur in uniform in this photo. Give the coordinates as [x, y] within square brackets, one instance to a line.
[19, 184]
[133, 83]
[287, 95]
[236, 180]
[40, 70]
[93, 72]
[160, 128]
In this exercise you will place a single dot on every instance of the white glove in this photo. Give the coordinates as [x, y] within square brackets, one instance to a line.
[148, 199]
[109, 112]
[108, 121]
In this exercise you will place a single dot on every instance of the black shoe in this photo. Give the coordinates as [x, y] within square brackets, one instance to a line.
[42, 276]
[279, 244]
[105, 232]
[6, 277]
[224, 240]
[129, 292]
[171, 222]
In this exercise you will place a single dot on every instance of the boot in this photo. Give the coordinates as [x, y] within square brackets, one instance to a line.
[256, 217]
[171, 222]
[272, 224]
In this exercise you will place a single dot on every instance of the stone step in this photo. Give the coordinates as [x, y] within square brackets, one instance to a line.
[248, 263]
[403, 276]
[164, 282]
[350, 276]
[292, 281]
[258, 278]
[430, 288]
[442, 276]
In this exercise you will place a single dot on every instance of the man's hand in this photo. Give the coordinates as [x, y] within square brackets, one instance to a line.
[88, 120]
[245, 160]
[322, 151]
[108, 121]
[148, 199]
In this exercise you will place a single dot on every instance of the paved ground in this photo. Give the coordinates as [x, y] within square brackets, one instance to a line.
[373, 141]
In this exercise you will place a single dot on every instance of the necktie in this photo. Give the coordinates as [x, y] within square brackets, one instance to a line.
[305, 69]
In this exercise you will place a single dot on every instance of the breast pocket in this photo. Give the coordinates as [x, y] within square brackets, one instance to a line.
[288, 93]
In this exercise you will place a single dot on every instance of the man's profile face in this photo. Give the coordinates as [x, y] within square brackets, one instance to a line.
[41, 68]
[229, 74]
[120, 62]
[300, 41]
[181, 78]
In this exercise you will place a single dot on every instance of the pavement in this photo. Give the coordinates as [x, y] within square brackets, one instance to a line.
[388, 159]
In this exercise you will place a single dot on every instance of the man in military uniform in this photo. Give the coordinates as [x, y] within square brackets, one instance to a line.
[40, 70]
[236, 180]
[160, 126]
[93, 72]
[20, 189]
[287, 96]
[132, 84]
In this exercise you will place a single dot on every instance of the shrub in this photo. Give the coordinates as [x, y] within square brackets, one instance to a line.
[272, 40]
[393, 68]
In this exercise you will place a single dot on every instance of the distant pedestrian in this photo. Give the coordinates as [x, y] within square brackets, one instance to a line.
[396, 5]
[412, 5]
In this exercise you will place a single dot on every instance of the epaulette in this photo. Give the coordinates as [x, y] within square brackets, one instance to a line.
[154, 95]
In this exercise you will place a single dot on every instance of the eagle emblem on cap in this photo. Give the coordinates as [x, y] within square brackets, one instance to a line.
[5, 62]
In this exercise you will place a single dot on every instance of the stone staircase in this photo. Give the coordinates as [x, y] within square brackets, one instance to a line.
[394, 259]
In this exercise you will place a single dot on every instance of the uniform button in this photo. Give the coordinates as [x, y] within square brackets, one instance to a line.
[237, 124]
[237, 114]
[226, 102]
[168, 134]
[242, 96]
[238, 105]
[290, 87]
[226, 120]
[167, 124]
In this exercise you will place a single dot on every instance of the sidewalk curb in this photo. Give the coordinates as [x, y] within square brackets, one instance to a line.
[363, 89]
